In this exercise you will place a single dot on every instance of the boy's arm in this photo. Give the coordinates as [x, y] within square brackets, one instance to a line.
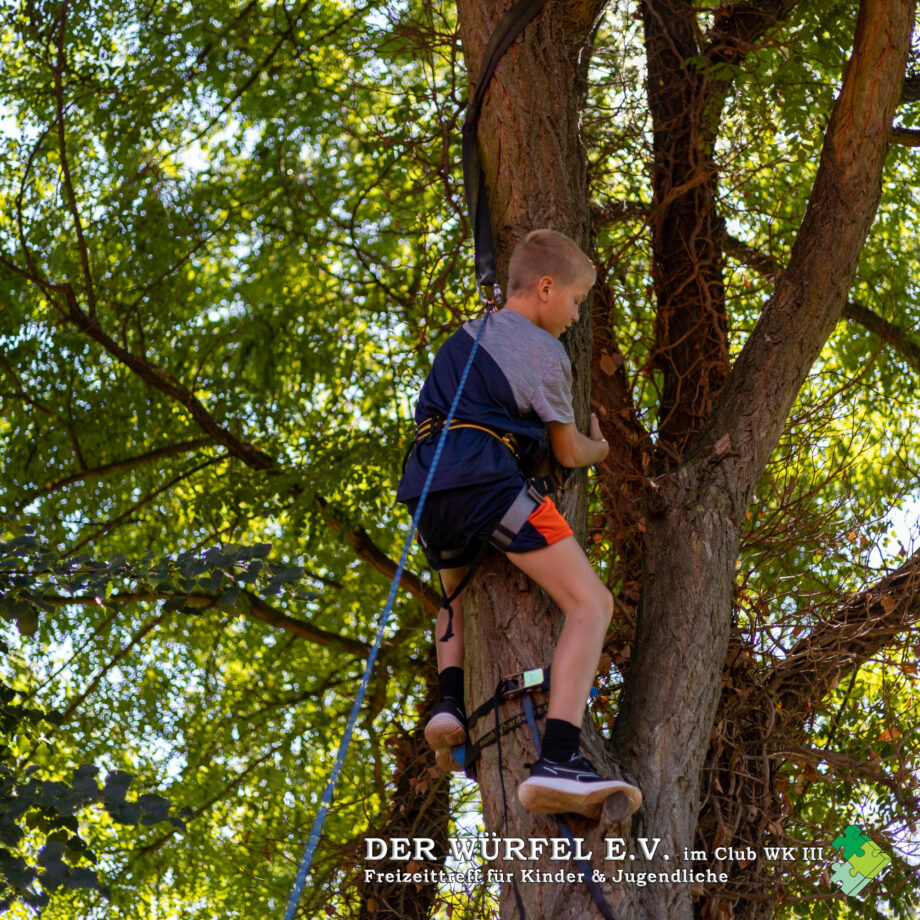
[571, 448]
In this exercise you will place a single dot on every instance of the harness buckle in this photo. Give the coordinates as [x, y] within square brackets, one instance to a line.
[525, 681]
[535, 492]
[430, 428]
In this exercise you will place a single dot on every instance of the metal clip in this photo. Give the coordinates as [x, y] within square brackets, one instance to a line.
[491, 300]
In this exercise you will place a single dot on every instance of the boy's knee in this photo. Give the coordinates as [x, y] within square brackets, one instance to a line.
[605, 605]
[597, 606]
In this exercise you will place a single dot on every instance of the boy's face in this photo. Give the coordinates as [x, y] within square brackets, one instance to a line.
[559, 303]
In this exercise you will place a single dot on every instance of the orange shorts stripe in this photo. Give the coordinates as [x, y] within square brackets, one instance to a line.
[549, 523]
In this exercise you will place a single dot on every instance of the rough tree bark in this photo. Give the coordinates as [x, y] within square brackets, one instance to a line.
[719, 424]
[536, 171]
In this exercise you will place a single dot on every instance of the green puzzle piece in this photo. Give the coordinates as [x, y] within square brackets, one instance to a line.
[851, 841]
[871, 861]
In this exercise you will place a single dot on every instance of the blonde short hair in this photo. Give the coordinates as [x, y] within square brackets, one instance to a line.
[547, 253]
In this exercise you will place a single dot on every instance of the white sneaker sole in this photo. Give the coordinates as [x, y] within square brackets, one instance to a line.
[443, 732]
[554, 796]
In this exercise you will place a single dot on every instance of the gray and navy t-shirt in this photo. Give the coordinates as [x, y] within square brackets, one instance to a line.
[521, 379]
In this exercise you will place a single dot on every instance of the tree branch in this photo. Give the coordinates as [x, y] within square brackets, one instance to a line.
[886, 330]
[866, 769]
[234, 783]
[268, 614]
[623, 473]
[768, 267]
[258, 609]
[732, 35]
[911, 90]
[58, 71]
[908, 137]
[77, 701]
[256, 459]
[21, 394]
[619, 210]
[149, 497]
[365, 548]
[691, 328]
[857, 630]
[808, 301]
[119, 466]
[90, 688]
[159, 379]
[765, 264]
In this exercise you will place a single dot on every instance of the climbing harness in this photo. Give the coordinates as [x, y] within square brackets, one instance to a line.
[529, 455]
[532, 494]
[509, 27]
[430, 428]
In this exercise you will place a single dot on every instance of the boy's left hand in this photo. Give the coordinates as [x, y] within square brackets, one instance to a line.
[573, 449]
[594, 429]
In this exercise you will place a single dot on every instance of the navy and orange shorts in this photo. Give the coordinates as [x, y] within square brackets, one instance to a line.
[458, 521]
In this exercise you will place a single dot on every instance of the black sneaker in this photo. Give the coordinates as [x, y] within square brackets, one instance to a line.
[446, 729]
[573, 786]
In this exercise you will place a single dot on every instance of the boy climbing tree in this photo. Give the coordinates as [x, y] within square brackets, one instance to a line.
[519, 387]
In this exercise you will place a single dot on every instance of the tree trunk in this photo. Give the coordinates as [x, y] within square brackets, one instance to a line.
[536, 171]
[691, 347]
[669, 702]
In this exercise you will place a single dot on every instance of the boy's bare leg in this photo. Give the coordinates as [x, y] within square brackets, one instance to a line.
[447, 726]
[564, 572]
[450, 653]
[563, 782]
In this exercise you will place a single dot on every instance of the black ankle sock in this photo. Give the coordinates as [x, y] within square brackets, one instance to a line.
[450, 683]
[560, 740]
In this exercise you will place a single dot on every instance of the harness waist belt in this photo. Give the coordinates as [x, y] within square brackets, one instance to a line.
[431, 427]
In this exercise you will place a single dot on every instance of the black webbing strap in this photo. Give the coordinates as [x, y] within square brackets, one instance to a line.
[468, 753]
[477, 200]
[447, 600]
[536, 680]
[497, 699]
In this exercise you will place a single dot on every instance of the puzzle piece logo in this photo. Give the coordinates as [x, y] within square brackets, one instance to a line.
[864, 861]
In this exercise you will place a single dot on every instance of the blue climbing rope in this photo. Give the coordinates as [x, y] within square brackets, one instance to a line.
[320, 819]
